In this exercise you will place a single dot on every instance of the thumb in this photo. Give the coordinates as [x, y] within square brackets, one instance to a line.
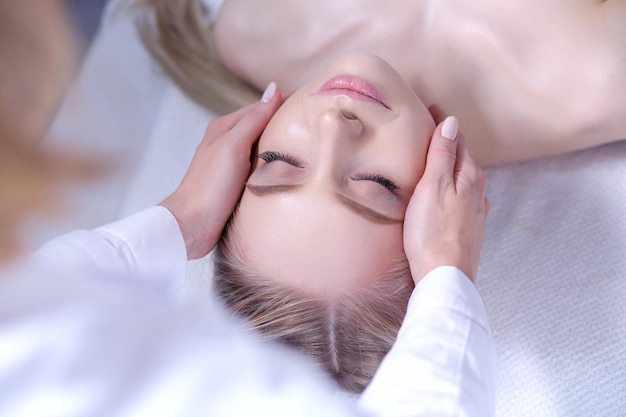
[442, 152]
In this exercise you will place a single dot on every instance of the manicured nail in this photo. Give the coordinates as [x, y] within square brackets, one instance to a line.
[450, 128]
[269, 93]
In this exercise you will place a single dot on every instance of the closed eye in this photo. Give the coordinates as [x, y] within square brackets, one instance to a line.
[379, 179]
[271, 156]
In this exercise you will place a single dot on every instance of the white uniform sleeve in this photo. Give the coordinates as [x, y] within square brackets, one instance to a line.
[443, 362]
[77, 339]
[146, 244]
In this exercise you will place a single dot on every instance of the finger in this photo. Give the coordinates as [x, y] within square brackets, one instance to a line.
[442, 152]
[222, 125]
[270, 102]
[248, 129]
[437, 113]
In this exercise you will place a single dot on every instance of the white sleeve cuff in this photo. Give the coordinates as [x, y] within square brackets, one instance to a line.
[150, 244]
[447, 287]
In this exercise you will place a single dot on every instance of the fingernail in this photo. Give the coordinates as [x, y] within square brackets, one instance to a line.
[450, 128]
[269, 92]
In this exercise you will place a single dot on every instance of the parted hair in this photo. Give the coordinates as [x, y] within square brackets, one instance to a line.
[347, 335]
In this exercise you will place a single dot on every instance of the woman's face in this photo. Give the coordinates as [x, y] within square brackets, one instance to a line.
[323, 208]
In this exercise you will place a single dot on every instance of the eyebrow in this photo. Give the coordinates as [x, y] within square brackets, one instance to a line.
[358, 208]
[263, 190]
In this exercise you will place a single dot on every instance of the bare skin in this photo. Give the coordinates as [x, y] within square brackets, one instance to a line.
[526, 80]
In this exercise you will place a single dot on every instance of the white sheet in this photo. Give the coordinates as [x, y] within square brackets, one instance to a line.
[553, 271]
[553, 280]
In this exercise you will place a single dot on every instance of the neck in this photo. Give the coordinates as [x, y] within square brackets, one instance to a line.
[304, 37]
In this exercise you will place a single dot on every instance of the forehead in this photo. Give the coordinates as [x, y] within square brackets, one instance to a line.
[314, 244]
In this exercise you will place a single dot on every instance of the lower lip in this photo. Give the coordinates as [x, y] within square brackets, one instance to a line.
[353, 87]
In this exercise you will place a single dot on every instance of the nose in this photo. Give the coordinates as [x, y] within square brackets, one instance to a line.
[340, 124]
[339, 136]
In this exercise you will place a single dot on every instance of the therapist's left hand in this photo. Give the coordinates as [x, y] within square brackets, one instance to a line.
[214, 182]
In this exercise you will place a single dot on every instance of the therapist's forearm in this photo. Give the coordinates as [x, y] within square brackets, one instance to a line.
[148, 243]
[443, 362]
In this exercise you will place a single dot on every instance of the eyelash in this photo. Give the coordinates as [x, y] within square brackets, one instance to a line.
[271, 156]
[385, 182]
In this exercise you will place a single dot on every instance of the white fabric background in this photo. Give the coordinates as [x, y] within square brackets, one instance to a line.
[553, 279]
[553, 271]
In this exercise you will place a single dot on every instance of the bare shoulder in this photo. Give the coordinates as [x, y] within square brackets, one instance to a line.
[573, 91]
[603, 66]
[587, 67]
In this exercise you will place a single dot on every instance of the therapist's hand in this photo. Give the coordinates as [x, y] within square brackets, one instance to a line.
[444, 224]
[214, 182]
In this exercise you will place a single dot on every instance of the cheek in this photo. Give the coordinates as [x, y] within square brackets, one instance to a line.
[413, 148]
[285, 134]
[286, 124]
[404, 152]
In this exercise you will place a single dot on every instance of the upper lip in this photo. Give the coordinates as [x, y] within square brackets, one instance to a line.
[355, 85]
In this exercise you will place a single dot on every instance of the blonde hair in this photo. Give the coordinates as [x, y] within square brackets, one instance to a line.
[348, 336]
[179, 36]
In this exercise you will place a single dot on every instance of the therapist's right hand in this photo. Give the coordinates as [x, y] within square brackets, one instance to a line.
[444, 224]
[214, 182]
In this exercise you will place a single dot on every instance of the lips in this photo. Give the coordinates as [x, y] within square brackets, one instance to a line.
[353, 87]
